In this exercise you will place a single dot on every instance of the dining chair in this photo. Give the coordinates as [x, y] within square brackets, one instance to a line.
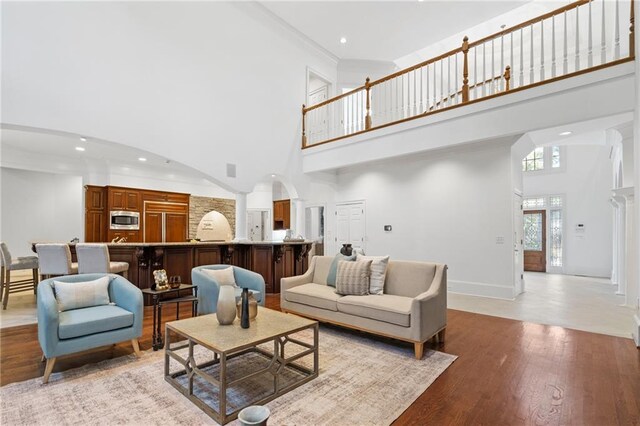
[10, 264]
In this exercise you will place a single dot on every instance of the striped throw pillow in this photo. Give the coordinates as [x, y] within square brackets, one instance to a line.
[353, 277]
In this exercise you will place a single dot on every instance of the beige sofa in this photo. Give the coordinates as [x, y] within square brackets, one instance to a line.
[413, 308]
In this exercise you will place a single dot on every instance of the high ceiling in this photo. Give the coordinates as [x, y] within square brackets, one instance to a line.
[385, 30]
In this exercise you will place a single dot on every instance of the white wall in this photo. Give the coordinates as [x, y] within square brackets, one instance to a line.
[586, 186]
[39, 207]
[447, 206]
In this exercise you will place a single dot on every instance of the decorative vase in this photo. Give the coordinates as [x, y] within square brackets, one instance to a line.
[244, 319]
[254, 415]
[346, 250]
[253, 307]
[226, 308]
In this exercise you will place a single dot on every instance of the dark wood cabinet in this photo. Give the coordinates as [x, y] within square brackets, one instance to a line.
[95, 214]
[283, 264]
[152, 226]
[131, 236]
[124, 199]
[262, 263]
[176, 225]
[165, 222]
[281, 214]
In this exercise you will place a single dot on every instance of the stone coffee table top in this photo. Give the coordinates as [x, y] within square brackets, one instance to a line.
[269, 324]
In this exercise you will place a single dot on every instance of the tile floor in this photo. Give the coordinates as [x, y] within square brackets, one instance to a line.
[581, 303]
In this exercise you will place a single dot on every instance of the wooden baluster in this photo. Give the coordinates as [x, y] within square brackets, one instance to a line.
[441, 82]
[493, 67]
[565, 60]
[501, 58]
[616, 32]
[455, 74]
[507, 77]
[304, 133]
[553, 46]
[426, 106]
[511, 50]
[589, 40]
[577, 39]
[484, 69]
[531, 74]
[367, 120]
[632, 40]
[475, 72]
[603, 39]
[542, 50]
[448, 81]
[521, 58]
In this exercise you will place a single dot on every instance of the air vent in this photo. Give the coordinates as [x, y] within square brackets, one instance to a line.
[231, 170]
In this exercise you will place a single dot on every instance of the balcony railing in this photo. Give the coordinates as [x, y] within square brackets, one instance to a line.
[581, 37]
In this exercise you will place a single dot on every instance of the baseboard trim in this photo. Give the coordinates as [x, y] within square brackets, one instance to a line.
[636, 330]
[492, 291]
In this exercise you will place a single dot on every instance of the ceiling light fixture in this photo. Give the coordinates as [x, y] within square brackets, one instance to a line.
[142, 159]
[79, 148]
[273, 176]
[83, 139]
[567, 133]
[343, 40]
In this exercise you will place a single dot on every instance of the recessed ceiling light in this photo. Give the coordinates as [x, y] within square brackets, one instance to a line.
[273, 176]
[83, 139]
[565, 133]
[79, 148]
[142, 159]
[343, 40]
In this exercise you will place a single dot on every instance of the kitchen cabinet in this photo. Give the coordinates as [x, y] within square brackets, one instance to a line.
[124, 199]
[95, 213]
[131, 236]
[281, 214]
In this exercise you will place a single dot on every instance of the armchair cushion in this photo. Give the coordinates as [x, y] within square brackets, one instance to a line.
[96, 319]
[222, 276]
[82, 294]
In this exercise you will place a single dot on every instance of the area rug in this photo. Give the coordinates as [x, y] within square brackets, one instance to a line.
[362, 381]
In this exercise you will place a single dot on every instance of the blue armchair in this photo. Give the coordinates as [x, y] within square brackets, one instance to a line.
[62, 333]
[209, 289]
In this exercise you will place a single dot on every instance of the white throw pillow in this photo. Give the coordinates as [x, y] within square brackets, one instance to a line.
[378, 272]
[82, 294]
[222, 276]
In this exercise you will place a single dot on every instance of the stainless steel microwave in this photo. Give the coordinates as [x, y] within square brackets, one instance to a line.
[124, 220]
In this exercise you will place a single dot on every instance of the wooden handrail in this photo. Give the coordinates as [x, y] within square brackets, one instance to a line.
[335, 98]
[530, 22]
[632, 36]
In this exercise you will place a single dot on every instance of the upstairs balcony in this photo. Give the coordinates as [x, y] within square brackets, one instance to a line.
[584, 37]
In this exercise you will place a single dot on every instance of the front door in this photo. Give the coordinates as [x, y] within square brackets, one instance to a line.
[535, 241]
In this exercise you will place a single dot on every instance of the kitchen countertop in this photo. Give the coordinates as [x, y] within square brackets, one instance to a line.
[206, 243]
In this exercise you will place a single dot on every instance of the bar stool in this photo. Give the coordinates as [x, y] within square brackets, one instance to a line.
[94, 258]
[55, 260]
[9, 264]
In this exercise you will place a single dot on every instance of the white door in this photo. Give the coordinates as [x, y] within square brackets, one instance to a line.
[319, 125]
[518, 248]
[350, 223]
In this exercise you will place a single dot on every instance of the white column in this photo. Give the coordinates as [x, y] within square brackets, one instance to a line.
[241, 216]
[614, 263]
[633, 291]
[300, 218]
[620, 238]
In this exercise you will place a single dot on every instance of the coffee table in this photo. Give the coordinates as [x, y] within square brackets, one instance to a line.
[279, 374]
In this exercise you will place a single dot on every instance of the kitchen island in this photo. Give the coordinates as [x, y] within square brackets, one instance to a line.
[271, 259]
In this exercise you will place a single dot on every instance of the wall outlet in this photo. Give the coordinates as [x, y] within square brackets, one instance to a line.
[499, 240]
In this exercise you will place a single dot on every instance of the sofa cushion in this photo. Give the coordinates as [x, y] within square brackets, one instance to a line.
[378, 272]
[333, 269]
[82, 294]
[316, 295]
[97, 319]
[353, 277]
[382, 307]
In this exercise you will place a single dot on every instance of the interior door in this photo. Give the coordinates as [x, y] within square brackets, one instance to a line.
[319, 129]
[350, 222]
[535, 241]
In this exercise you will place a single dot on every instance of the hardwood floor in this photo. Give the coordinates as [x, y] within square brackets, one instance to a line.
[508, 372]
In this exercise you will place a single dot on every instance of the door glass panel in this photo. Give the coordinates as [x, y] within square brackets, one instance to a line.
[533, 231]
[555, 229]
